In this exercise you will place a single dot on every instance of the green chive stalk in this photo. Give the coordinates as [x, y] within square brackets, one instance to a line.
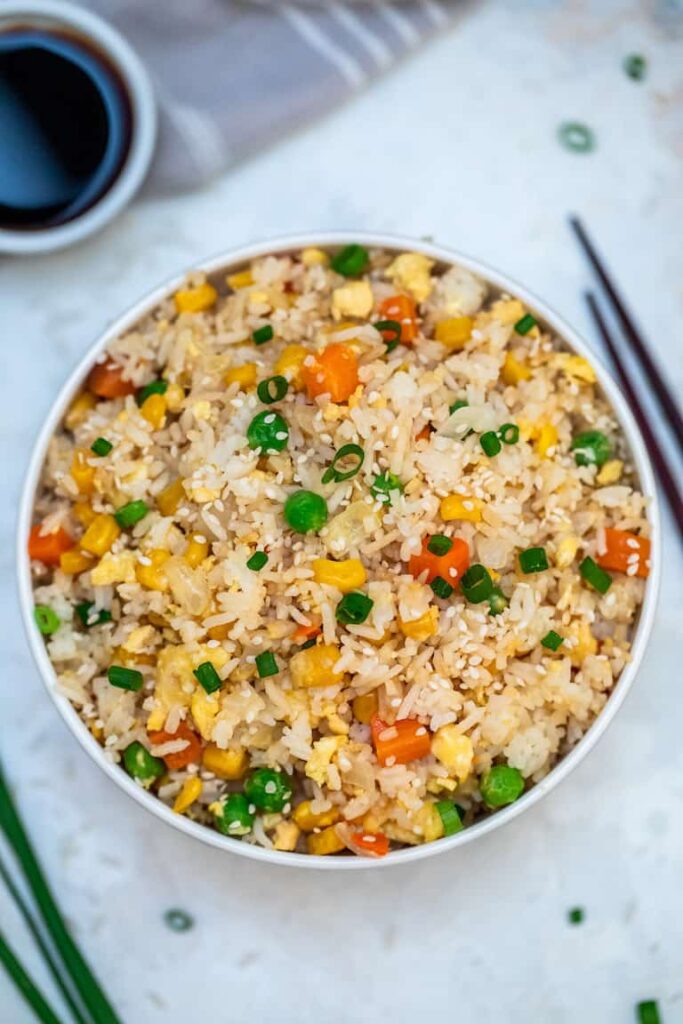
[33, 996]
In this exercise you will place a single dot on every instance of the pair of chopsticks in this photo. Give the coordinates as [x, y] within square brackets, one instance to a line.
[82, 994]
[638, 347]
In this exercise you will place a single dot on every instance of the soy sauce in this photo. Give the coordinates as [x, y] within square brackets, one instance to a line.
[65, 128]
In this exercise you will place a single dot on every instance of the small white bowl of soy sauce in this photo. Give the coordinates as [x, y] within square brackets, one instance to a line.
[77, 124]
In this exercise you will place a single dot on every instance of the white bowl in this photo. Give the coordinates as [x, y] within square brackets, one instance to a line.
[227, 263]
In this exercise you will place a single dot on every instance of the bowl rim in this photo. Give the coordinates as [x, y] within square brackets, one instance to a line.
[225, 262]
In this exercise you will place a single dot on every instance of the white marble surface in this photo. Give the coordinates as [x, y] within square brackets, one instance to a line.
[459, 143]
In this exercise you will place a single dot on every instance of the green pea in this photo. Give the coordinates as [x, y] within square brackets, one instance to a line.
[268, 789]
[234, 817]
[305, 512]
[383, 485]
[351, 261]
[501, 785]
[142, 765]
[268, 431]
[591, 448]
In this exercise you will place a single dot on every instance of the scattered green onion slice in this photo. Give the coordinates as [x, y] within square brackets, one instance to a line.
[391, 327]
[234, 817]
[575, 915]
[552, 640]
[272, 390]
[257, 561]
[262, 334]
[309, 643]
[461, 403]
[438, 544]
[268, 431]
[207, 677]
[509, 433]
[268, 789]
[441, 587]
[533, 560]
[354, 608]
[501, 785]
[450, 818]
[101, 446]
[130, 514]
[90, 616]
[305, 512]
[266, 665]
[525, 324]
[498, 602]
[476, 584]
[178, 920]
[351, 261]
[490, 443]
[595, 576]
[648, 1012]
[383, 485]
[47, 621]
[635, 66]
[576, 137]
[125, 678]
[591, 448]
[347, 451]
[155, 387]
[142, 765]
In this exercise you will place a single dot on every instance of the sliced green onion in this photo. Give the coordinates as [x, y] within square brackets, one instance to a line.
[476, 584]
[262, 334]
[533, 560]
[266, 665]
[125, 678]
[596, 577]
[178, 920]
[354, 608]
[206, 675]
[234, 817]
[47, 621]
[648, 1012]
[355, 453]
[490, 443]
[130, 514]
[272, 390]
[575, 915]
[351, 261]
[552, 640]
[498, 602]
[269, 432]
[155, 387]
[101, 446]
[576, 136]
[90, 616]
[509, 433]
[25, 985]
[309, 643]
[305, 512]
[383, 485]
[441, 587]
[591, 448]
[438, 544]
[257, 561]
[525, 324]
[461, 403]
[635, 66]
[450, 818]
[391, 327]
[501, 785]
[142, 765]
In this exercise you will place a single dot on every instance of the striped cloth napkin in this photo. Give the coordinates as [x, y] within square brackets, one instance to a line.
[234, 75]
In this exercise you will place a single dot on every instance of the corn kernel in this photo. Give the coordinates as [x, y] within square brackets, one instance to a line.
[191, 791]
[244, 375]
[221, 632]
[242, 279]
[171, 496]
[460, 506]
[314, 258]
[585, 644]
[286, 836]
[513, 370]
[100, 535]
[345, 576]
[315, 666]
[323, 843]
[74, 561]
[82, 472]
[364, 707]
[195, 300]
[79, 409]
[84, 513]
[120, 656]
[566, 552]
[97, 731]
[196, 551]
[113, 569]
[429, 821]
[454, 750]
[454, 333]
[226, 764]
[610, 472]
[152, 576]
[508, 311]
[546, 438]
[437, 786]
[424, 627]
[290, 362]
[175, 396]
[307, 820]
[153, 409]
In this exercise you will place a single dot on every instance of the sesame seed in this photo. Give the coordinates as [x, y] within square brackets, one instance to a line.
[390, 762]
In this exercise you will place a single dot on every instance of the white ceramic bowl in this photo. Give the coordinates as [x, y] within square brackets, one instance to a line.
[233, 261]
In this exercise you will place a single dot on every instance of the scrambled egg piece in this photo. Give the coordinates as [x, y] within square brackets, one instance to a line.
[454, 750]
[610, 472]
[566, 551]
[321, 758]
[205, 708]
[352, 299]
[575, 366]
[175, 684]
[114, 569]
[139, 638]
[410, 271]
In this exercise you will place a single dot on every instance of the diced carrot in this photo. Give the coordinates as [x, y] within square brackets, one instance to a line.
[303, 633]
[622, 550]
[332, 371]
[401, 308]
[406, 740]
[47, 548]
[425, 433]
[190, 755]
[373, 844]
[450, 567]
[106, 381]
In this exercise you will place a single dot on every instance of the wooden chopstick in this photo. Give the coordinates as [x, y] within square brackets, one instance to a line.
[667, 480]
[661, 391]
